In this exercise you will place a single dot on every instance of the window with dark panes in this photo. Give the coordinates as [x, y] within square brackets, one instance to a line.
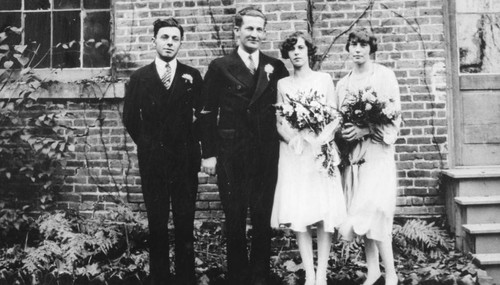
[59, 33]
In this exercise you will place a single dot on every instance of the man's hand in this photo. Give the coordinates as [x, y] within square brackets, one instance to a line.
[208, 165]
[352, 132]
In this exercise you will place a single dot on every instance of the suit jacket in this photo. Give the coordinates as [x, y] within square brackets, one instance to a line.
[240, 105]
[160, 121]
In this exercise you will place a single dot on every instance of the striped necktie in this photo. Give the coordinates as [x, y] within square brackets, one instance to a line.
[167, 76]
[251, 65]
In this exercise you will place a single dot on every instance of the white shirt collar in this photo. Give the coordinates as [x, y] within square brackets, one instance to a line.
[161, 66]
[244, 56]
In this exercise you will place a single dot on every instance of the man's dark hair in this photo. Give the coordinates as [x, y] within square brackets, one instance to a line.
[248, 11]
[364, 36]
[291, 41]
[170, 22]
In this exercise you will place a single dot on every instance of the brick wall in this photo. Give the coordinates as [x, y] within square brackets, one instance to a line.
[411, 35]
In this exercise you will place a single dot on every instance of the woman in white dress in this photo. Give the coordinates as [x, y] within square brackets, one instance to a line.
[305, 194]
[370, 179]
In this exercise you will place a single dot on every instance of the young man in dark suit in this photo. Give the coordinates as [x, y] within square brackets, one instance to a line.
[240, 144]
[161, 104]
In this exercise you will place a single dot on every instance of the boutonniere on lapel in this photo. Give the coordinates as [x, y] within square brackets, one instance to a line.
[188, 78]
[269, 70]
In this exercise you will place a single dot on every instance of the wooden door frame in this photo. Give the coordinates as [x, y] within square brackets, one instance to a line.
[453, 101]
[455, 83]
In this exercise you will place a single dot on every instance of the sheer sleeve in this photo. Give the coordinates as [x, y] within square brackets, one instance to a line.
[284, 128]
[390, 88]
[329, 131]
[331, 96]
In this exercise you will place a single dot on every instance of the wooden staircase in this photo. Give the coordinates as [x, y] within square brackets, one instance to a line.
[473, 210]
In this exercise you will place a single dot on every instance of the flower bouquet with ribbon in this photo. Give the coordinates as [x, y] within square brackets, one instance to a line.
[305, 112]
[365, 108]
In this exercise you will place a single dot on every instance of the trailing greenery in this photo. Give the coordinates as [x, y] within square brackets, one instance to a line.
[34, 142]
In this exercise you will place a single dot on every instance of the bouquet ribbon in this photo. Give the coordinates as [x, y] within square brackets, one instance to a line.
[351, 176]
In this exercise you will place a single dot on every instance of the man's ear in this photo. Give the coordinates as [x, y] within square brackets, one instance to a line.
[153, 40]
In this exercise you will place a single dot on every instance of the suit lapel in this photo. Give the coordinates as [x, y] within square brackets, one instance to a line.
[263, 80]
[239, 70]
[153, 83]
[177, 83]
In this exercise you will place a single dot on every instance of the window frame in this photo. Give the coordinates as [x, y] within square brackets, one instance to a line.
[70, 74]
[469, 81]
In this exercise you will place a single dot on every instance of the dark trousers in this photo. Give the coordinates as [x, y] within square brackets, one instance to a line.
[247, 179]
[163, 183]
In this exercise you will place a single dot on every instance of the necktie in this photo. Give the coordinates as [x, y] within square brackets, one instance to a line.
[167, 76]
[251, 65]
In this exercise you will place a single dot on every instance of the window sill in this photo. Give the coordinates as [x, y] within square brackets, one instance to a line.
[69, 84]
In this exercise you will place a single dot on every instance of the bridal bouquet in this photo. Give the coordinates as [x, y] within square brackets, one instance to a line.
[364, 107]
[304, 111]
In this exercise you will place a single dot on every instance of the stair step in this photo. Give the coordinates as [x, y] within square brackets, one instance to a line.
[482, 238]
[476, 229]
[488, 258]
[473, 172]
[478, 200]
[491, 263]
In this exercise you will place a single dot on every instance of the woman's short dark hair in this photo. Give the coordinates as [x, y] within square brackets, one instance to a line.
[364, 36]
[170, 22]
[292, 39]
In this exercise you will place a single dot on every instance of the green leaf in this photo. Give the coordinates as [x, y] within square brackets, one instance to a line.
[54, 145]
[35, 84]
[62, 146]
[47, 185]
[291, 266]
[8, 64]
[25, 137]
[20, 48]
[16, 30]
[22, 59]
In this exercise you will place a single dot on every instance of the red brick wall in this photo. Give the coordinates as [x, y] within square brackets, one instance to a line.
[411, 35]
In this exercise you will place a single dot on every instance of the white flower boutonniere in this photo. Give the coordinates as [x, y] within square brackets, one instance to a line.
[188, 77]
[268, 69]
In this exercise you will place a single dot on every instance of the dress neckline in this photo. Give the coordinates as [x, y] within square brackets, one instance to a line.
[362, 82]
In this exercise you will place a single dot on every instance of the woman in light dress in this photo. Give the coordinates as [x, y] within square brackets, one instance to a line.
[305, 194]
[370, 179]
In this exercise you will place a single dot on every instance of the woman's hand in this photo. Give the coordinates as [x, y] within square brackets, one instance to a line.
[376, 133]
[311, 137]
[297, 144]
[351, 132]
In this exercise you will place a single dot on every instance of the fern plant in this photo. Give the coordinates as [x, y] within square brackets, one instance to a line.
[106, 244]
[417, 238]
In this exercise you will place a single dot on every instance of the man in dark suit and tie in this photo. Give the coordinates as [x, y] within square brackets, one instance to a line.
[162, 101]
[240, 144]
